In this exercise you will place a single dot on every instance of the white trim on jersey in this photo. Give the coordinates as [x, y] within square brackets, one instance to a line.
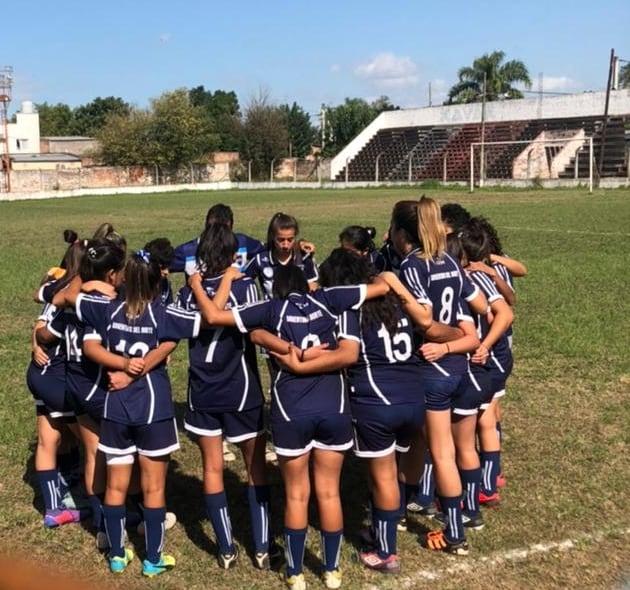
[152, 398]
[371, 454]
[95, 386]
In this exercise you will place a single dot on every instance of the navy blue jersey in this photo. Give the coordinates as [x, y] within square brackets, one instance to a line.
[506, 275]
[306, 320]
[147, 399]
[388, 370]
[500, 354]
[223, 374]
[47, 291]
[56, 352]
[184, 259]
[442, 284]
[263, 266]
[165, 295]
[86, 380]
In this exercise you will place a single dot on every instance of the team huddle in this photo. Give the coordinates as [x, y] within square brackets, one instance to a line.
[400, 353]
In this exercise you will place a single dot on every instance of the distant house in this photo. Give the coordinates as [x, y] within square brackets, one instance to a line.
[45, 162]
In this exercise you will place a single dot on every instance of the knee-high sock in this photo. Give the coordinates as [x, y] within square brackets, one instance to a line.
[294, 542]
[470, 484]
[114, 518]
[258, 498]
[48, 480]
[219, 515]
[154, 532]
[331, 548]
[385, 522]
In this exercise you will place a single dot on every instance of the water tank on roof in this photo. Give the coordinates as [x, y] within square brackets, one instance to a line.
[27, 107]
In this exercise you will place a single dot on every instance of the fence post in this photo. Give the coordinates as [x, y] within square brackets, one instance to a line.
[271, 173]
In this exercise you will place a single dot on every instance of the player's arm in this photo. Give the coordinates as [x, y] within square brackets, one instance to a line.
[154, 358]
[434, 351]
[502, 286]
[346, 354]
[95, 351]
[516, 268]
[502, 318]
[211, 314]
[274, 343]
[40, 356]
[222, 294]
[419, 312]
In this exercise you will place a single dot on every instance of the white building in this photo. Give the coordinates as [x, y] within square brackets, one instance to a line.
[24, 133]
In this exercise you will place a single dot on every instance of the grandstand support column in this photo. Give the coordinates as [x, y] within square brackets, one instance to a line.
[378, 157]
[249, 171]
[347, 164]
[273, 161]
[590, 165]
[409, 170]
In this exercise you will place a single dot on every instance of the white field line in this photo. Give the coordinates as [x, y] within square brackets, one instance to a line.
[466, 565]
[612, 234]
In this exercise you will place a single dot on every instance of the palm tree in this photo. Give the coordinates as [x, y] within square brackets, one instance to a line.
[624, 76]
[499, 79]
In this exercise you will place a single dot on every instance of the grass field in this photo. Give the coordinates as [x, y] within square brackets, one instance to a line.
[564, 521]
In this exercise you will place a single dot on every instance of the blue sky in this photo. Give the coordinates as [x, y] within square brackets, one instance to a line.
[315, 53]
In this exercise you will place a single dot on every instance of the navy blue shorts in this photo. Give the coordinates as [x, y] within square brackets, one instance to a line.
[86, 397]
[439, 393]
[380, 430]
[467, 398]
[499, 378]
[300, 435]
[153, 440]
[235, 426]
[50, 395]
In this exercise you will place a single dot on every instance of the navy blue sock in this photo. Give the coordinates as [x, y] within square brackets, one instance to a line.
[154, 532]
[489, 471]
[96, 505]
[470, 484]
[385, 531]
[258, 498]
[48, 485]
[69, 465]
[294, 542]
[331, 547]
[402, 494]
[452, 509]
[114, 518]
[219, 515]
[426, 494]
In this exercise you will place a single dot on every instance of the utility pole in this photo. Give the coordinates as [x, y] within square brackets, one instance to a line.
[611, 67]
[482, 155]
[6, 85]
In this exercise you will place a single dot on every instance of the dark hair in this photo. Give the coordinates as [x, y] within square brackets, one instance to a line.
[142, 280]
[161, 250]
[220, 213]
[493, 236]
[106, 231]
[281, 221]
[455, 216]
[345, 267]
[72, 261]
[405, 218]
[360, 238]
[69, 237]
[454, 247]
[289, 278]
[475, 240]
[216, 249]
[100, 257]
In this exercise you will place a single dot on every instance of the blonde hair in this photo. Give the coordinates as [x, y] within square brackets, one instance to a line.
[431, 229]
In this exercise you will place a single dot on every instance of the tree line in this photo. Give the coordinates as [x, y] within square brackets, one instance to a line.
[183, 126]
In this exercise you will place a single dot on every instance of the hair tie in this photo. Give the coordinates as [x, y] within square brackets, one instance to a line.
[144, 256]
[92, 253]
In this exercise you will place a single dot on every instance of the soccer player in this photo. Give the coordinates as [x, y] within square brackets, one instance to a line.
[102, 265]
[361, 240]
[225, 399]
[436, 279]
[185, 254]
[310, 417]
[139, 419]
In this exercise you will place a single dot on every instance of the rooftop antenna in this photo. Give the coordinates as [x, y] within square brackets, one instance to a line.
[6, 87]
